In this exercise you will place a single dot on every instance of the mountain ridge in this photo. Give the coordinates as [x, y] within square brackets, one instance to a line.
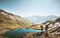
[41, 19]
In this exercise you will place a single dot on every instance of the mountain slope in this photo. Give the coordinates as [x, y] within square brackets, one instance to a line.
[11, 21]
[53, 26]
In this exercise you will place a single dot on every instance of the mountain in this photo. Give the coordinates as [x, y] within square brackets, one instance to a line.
[11, 21]
[41, 19]
[53, 28]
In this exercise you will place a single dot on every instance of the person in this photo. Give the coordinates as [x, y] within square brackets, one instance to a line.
[39, 34]
[41, 28]
[46, 31]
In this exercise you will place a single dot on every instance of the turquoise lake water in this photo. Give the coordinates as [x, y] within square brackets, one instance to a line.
[18, 32]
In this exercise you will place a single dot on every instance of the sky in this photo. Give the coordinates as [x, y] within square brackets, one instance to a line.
[26, 8]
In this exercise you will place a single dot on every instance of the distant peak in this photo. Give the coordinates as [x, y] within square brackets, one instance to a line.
[1, 10]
